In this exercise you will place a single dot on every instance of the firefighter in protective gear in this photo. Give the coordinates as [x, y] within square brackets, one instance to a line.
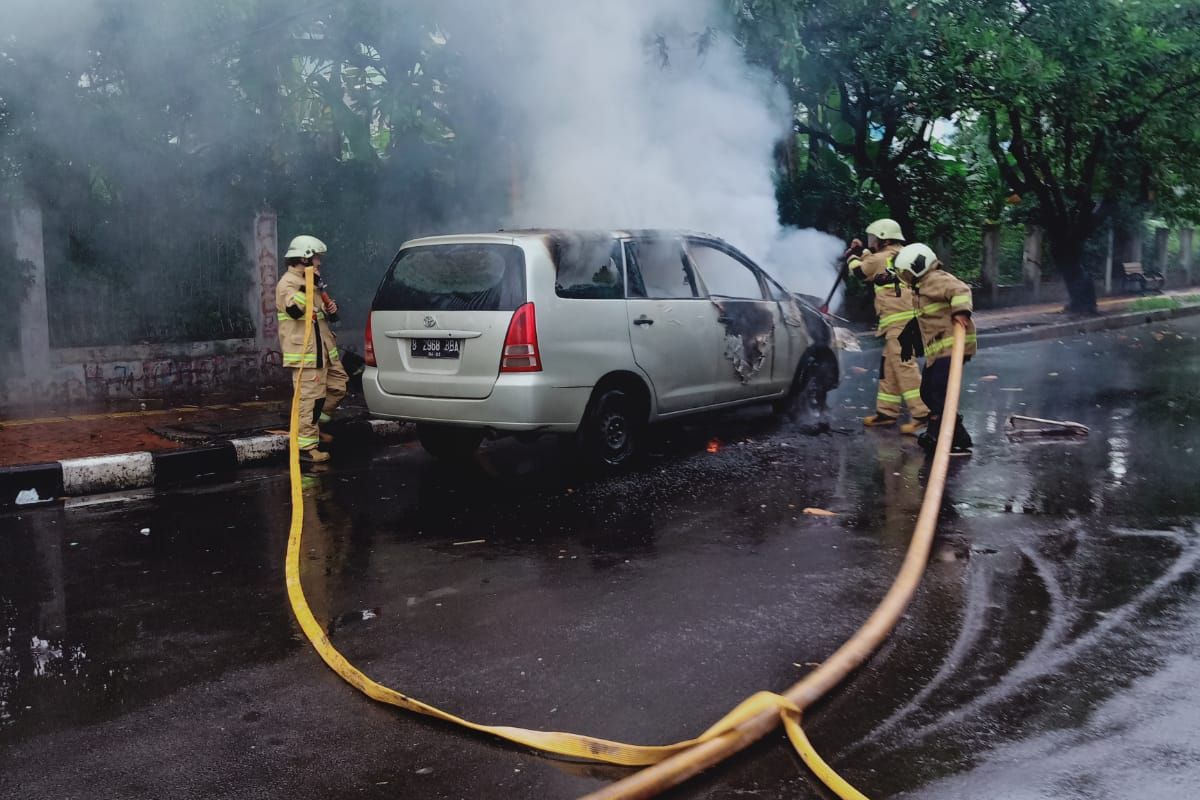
[322, 381]
[899, 377]
[941, 301]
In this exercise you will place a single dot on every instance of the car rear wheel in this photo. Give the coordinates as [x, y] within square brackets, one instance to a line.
[448, 443]
[611, 430]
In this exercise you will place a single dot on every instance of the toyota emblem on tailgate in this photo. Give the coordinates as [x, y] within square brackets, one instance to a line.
[430, 322]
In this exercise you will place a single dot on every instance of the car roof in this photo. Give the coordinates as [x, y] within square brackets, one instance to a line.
[509, 236]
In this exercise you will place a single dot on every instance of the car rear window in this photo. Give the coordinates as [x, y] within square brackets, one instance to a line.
[454, 277]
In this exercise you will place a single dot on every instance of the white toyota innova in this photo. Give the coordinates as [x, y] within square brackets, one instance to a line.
[592, 334]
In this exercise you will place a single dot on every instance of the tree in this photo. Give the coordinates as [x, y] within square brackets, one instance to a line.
[865, 84]
[1087, 104]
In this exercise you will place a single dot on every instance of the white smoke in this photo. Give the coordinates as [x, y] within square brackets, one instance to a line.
[622, 114]
[644, 113]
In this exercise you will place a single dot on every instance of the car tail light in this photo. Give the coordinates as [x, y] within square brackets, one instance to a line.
[369, 345]
[520, 352]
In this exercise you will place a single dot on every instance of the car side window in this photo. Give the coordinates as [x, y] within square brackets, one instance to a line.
[590, 270]
[725, 275]
[777, 292]
[659, 269]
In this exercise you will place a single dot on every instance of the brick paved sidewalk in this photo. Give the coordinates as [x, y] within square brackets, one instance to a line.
[30, 441]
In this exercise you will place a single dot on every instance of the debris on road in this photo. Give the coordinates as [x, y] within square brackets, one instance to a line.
[819, 512]
[846, 340]
[1019, 426]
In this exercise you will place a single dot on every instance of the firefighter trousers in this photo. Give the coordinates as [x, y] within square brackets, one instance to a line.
[934, 385]
[899, 381]
[321, 389]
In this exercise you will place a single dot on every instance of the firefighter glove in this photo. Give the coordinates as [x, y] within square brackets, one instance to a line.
[910, 341]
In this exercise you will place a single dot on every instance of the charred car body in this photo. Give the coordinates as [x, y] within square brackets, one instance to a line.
[593, 334]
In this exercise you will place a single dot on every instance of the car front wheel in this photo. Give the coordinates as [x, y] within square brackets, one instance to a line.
[611, 430]
[806, 395]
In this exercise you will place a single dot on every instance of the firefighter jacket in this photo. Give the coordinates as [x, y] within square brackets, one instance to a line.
[294, 310]
[893, 298]
[937, 297]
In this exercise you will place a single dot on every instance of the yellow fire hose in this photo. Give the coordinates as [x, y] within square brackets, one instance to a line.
[748, 721]
[846, 659]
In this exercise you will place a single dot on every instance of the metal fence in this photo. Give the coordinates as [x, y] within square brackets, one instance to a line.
[130, 281]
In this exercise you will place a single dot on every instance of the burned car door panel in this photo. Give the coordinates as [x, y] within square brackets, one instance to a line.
[750, 323]
[749, 338]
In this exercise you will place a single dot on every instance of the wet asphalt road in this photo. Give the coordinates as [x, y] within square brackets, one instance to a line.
[1052, 652]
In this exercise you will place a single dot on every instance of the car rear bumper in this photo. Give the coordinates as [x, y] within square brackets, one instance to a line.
[518, 402]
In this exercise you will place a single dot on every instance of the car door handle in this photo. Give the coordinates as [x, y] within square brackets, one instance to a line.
[643, 320]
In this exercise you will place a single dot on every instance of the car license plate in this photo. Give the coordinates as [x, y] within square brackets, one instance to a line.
[436, 348]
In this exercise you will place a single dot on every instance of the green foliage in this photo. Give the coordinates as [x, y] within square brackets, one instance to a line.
[362, 122]
[864, 92]
[1088, 107]
[1078, 112]
[154, 140]
[1154, 304]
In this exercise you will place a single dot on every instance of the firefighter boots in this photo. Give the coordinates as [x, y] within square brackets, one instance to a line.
[313, 456]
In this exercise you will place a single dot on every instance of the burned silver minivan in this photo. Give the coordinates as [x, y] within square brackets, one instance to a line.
[590, 334]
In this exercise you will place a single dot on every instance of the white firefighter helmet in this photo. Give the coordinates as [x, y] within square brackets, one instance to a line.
[886, 230]
[305, 247]
[915, 261]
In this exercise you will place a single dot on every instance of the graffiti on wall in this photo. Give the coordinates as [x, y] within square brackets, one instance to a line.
[266, 248]
[162, 377]
[156, 378]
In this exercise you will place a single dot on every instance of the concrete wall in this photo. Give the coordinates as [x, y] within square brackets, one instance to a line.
[26, 224]
[145, 372]
[1035, 290]
[1007, 295]
[182, 371]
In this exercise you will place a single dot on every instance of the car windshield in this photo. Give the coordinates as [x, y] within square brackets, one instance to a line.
[454, 277]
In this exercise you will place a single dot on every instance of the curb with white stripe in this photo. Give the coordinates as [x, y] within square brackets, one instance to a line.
[74, 477]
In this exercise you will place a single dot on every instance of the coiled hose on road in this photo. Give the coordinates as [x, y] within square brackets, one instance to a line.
[752, 719]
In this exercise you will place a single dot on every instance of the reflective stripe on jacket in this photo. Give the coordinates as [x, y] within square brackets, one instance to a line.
[290, 292]
[937, 297]
[893, 300]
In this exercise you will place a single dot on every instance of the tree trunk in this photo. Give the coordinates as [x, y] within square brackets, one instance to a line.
[896, 198]
[945, 254]
[991, 262]
[1108, 262]
[1162, 244]
[1185, 254]
[1031, 261]
[1068, 256]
